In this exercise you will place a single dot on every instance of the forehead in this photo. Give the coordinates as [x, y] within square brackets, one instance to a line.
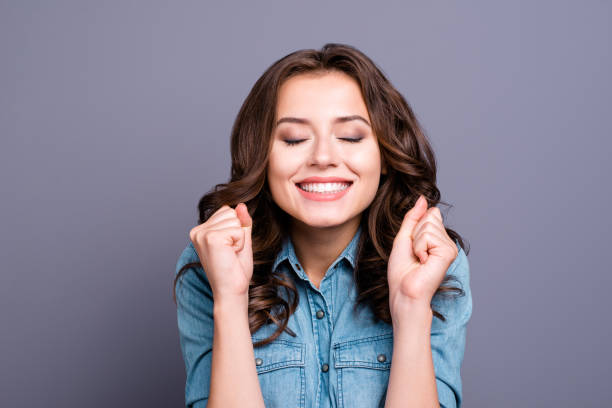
[328, 94]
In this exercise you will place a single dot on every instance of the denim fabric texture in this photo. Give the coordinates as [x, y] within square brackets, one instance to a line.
[338, 359]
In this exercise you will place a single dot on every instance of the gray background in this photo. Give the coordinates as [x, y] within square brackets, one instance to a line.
[115, 119]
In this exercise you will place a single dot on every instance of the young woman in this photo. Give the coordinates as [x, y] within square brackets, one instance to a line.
[321, 274]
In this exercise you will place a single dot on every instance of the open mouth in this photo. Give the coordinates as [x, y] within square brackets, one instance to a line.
[324, 188]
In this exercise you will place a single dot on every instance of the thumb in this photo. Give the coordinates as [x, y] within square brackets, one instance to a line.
[411, 219]
[246, 222]
[243, 215]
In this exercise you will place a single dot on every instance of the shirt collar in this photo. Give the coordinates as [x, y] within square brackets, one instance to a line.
[287, 252]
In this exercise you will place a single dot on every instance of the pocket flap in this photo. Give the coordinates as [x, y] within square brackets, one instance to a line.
[278, 354]
[369, 352]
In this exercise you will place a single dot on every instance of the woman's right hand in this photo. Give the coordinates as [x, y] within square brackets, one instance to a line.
[223, 244]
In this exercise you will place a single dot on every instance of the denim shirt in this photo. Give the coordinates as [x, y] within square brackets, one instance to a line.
[338, 358]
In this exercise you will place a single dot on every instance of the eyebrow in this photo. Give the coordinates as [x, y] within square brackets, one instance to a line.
[339, 119]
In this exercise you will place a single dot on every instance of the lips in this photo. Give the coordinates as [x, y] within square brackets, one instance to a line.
[324, 180]
[324, 195]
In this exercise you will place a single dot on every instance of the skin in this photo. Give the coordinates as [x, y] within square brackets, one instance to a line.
[320, 230]
[422, 251]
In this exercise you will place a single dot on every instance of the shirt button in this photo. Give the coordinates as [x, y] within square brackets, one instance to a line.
[325, 367]
[320, 314]
[382, 358]
[258, 361]
[298, 267]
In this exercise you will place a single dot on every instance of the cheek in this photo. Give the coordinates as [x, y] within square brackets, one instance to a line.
[367, 163]
[279, 173]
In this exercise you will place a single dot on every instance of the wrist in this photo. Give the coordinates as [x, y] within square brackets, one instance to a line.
[230, 304]
[413, 316]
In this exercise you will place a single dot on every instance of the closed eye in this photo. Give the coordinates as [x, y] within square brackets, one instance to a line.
[293, 142]
[351, 140]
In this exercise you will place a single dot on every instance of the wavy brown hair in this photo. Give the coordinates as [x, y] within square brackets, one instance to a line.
[411, 171]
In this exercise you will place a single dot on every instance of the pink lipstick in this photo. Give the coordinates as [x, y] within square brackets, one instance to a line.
[324, 195]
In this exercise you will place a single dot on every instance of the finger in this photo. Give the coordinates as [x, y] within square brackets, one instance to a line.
[247, 224]
[435, 211]
[424, 242]
[231, 236]
[433, 217]
[225, 223]
[222, 213]
[427, 223]
[211, 222]
[411, 218]
[242, 213]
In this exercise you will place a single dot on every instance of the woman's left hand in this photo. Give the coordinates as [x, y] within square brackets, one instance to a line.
[421, 254]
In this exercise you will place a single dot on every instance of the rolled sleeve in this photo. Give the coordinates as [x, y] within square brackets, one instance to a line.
[195, 326]
[448, 337]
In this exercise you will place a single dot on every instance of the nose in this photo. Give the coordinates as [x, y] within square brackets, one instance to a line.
[324, 152]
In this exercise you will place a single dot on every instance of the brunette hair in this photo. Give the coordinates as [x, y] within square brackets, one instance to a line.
[411, 171]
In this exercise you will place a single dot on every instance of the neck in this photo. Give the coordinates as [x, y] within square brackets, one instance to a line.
[317, 248]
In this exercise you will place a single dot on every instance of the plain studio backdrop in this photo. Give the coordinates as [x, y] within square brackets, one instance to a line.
[115, 119]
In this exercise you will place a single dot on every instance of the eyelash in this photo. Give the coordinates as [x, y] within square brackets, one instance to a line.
[294, 142]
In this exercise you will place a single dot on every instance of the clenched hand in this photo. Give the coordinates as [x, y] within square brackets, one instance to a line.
[223, 244]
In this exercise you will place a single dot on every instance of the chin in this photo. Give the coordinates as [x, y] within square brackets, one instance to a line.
[322, 222]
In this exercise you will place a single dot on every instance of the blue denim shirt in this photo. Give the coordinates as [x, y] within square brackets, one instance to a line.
[338, 359]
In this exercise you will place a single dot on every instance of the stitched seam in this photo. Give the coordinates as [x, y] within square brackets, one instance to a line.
[347, 343]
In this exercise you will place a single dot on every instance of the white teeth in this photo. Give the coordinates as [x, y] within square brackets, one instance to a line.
[324, 187]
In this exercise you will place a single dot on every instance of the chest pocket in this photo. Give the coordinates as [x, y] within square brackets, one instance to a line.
[280, 368]
[363, 366]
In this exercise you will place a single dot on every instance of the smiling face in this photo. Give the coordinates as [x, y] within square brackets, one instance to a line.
[323, 143]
